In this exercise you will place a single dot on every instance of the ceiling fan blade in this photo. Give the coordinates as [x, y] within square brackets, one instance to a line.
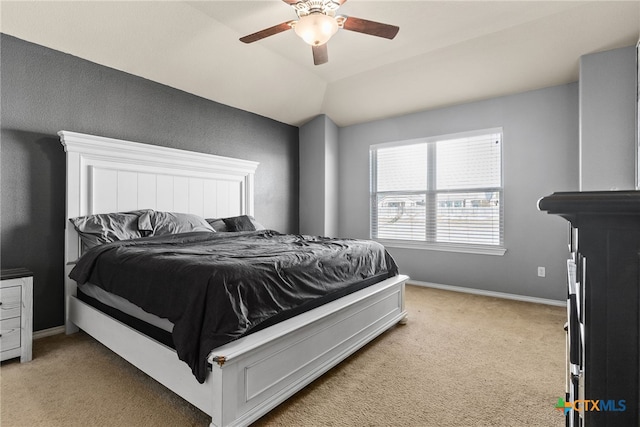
[320, 54]
[267, 32]
[370, 27]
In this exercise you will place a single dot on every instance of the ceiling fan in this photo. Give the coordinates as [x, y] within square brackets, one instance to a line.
[318, 22]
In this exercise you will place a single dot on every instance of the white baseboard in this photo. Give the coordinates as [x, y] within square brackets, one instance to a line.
[48, 332]
[504, 295]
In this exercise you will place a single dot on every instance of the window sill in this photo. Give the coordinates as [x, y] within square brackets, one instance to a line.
[444, 247]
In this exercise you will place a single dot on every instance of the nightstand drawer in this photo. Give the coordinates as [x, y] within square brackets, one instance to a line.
[16, 314]
[10, 334]
[10, 302]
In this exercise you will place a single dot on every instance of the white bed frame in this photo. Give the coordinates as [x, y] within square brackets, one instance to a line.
[252, 375]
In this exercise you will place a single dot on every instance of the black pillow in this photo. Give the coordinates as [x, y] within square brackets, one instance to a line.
[239, 223]
[217, 224]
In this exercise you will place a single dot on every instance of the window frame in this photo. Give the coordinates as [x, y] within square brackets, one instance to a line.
[431, 194]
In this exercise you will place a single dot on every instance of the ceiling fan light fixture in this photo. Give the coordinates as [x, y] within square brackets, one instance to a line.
[316, 28]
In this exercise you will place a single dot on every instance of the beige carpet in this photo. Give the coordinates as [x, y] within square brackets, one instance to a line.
[462, 360]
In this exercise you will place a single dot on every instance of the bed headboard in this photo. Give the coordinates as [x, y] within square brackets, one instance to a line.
[110, 175]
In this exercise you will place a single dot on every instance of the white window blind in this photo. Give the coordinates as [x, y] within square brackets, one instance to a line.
[445, 191]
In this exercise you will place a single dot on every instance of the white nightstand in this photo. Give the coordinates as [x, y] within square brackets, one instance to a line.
[16, 314]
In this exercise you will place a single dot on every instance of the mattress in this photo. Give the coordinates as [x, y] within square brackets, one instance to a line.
[118, 303]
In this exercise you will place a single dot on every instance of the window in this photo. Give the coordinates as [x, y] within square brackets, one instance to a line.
[443, 192]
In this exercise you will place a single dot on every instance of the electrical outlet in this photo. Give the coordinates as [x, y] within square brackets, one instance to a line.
[542, 272]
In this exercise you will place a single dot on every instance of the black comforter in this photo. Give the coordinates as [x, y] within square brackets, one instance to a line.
[217, 287]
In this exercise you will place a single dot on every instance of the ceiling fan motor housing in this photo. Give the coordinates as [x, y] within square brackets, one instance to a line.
[308, 7]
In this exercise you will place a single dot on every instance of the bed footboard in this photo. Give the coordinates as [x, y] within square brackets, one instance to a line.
[257, 373]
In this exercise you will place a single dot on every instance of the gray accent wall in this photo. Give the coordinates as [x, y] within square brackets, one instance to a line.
[44, 91]
[608, 120]
[540, 152]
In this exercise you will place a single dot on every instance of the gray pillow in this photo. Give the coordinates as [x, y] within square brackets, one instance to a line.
[160, 223]
[106, 228]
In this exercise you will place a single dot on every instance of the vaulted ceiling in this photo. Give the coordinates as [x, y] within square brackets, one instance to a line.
[447, 52]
